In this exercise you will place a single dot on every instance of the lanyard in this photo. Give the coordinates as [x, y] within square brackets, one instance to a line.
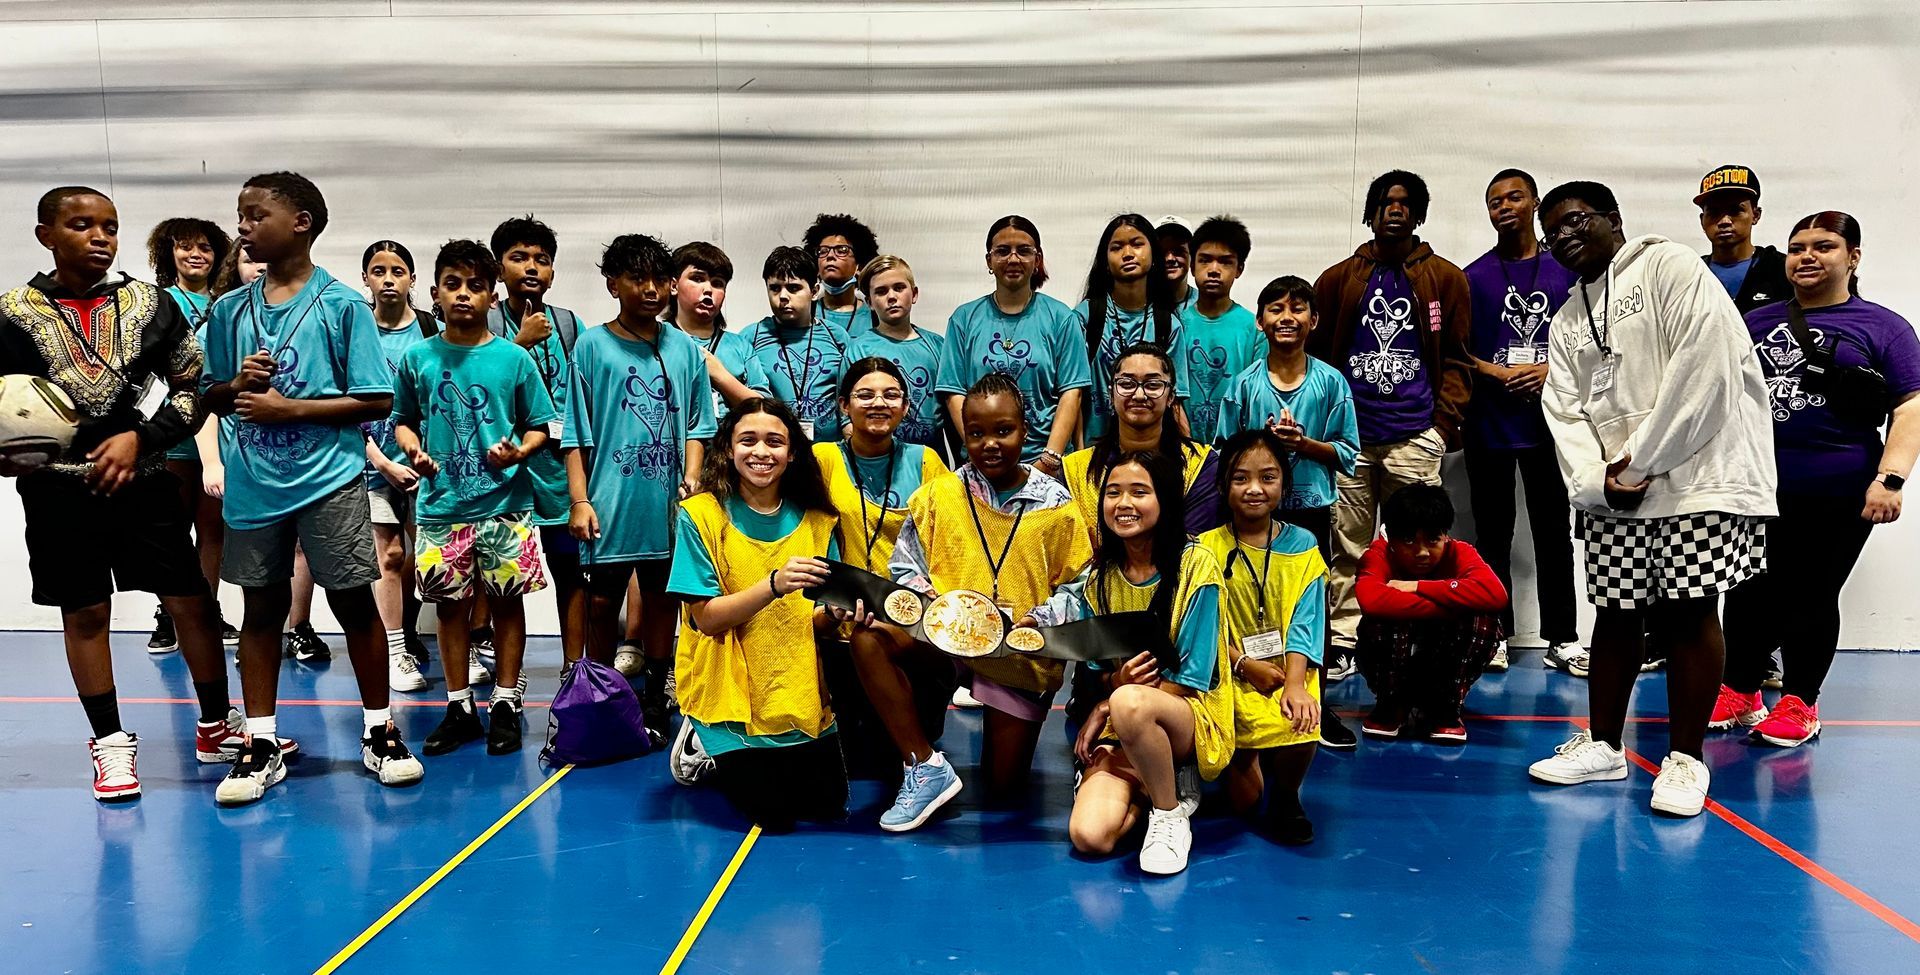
[1532, 282]
[820, 311]
[256, 296]
[886, 488]
[800, 384]
[1600, 335]
[1260, 578]
[986, 548]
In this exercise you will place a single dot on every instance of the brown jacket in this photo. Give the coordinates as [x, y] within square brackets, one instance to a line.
[1439, 287]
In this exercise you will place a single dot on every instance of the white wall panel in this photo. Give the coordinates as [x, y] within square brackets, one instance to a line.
[737, 120]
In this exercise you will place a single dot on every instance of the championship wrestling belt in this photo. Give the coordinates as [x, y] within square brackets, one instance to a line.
[966, 624]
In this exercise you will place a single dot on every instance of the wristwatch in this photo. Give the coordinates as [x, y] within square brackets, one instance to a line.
[1892, 482]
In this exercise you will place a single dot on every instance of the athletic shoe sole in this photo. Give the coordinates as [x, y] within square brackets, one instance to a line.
[1790, 742]
[1671, 809]
[1449, 737]
[157, 651]
[1747, 720]
[117, 795]
[287, 749]
[1555, 663]
[946, 795]
[394, 772]
[1384, 734]
[1604, 775]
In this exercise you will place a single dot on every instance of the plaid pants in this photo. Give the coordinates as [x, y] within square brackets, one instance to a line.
[1427, 664]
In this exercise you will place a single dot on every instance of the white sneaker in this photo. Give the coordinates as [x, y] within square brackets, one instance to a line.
[1344, 666]
[688, 759]
[477, 672]
[1653, 664]
[403, 673]
[1681, 787]
[1581, 759]
[1186, 784]
[1576, 660]
[258, 768]
[1169, 838]
[385, 754]
[628, 662]
[963, 698]
[115, 759]
[1498, 665]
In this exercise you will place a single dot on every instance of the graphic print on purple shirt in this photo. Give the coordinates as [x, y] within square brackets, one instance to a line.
[1512, 303]
[1815, 451]
[1391, 392]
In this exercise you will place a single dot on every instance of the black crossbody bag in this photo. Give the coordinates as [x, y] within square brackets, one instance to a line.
[1855, 394]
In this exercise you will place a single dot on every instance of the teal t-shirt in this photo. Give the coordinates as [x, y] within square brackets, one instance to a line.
[195, 307]
[855, 321]
[394, 343]
[1322, 405]
[1124, 328]
[919, 360]
[1041, 349]
[325, 345]
[735, 352]
[547, 469]
[1213, 351]
[463, 399]
[803, 367]
[1197, 639]
[635, 404]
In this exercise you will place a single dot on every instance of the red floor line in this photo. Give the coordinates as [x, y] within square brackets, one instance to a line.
[1860, 898]
[309, 703]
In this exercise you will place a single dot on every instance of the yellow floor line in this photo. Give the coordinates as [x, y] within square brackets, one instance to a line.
[341, 957]
[713, 899]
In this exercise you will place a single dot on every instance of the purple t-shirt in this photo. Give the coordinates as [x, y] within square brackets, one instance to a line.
[1392, 396]
[1817, 452]
[1512, 303]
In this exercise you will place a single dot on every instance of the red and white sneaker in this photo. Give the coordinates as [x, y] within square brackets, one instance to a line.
[1737, 710]
[1793, 722]
[220, 742]
[115, 758]
[1383, 722]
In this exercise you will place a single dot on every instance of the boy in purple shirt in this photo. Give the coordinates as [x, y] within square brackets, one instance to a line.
[1517, 286]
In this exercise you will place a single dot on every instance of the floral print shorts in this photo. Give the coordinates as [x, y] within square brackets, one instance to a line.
[501, 553]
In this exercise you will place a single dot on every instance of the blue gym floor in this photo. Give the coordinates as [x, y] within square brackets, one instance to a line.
[1428, 859]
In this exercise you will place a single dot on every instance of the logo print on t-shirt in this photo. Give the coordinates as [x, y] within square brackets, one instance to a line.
[1523, 316]
[1784, 364]
[914, 427]
[648, 402]
[1387, 368]
[466, 410]
[807, 403]
[1013, 359]
[282, 448]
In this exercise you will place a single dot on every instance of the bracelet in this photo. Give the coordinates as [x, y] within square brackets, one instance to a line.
[772, 586]
[1050, 452]
[581, 501]
[1235, 669]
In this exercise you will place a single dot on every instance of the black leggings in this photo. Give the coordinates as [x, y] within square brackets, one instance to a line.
[1490, 490]
[776, 787]
[1795, 606]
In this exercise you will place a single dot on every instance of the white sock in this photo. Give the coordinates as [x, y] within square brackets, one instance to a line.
[462, 696]
[377, 718]
[937, 760]
[262, 727]
[509, 694]
[396, 642]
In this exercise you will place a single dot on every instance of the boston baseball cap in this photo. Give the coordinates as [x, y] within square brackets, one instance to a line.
[1729, 179]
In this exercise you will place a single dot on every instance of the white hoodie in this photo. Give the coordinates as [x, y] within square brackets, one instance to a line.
[1688, 403]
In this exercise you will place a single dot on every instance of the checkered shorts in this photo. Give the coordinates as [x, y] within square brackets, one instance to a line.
[1632, 562]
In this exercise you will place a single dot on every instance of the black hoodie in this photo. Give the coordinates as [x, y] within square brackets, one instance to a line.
[1766, 280]
[48, 331]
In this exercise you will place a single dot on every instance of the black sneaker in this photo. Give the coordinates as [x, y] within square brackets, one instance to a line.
[1288, 824]
[303, 644]
[256, 769]
[503, 729]
[653, 712]
[460, 726]
[163, 639]
[229, 636]
[385, 754]
[1334, 733]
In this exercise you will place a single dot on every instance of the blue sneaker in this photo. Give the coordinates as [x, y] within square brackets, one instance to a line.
[923, 791]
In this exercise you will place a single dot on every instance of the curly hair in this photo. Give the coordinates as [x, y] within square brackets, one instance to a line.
[180, 230]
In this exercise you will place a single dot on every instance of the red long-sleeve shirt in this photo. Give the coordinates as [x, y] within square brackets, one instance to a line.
[1462, 582]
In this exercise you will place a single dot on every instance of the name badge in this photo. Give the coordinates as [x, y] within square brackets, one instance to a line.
[1264, 645]
[806, 427]
[1603, 375]
[1524, 355]
[555, 428]
[152, 396]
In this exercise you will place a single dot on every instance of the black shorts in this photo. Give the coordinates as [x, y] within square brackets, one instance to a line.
[609, 580]
[82, 547]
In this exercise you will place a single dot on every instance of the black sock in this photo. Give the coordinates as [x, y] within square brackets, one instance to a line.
[103, 712]
[656, 671]
[214, 702]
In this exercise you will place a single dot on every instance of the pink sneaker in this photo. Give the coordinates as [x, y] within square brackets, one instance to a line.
[1793, 722]
[1737, 710]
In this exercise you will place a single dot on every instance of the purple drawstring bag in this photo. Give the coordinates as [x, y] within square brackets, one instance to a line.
[595, 718]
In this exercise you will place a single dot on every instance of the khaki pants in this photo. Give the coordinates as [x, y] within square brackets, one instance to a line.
[1378, 472]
